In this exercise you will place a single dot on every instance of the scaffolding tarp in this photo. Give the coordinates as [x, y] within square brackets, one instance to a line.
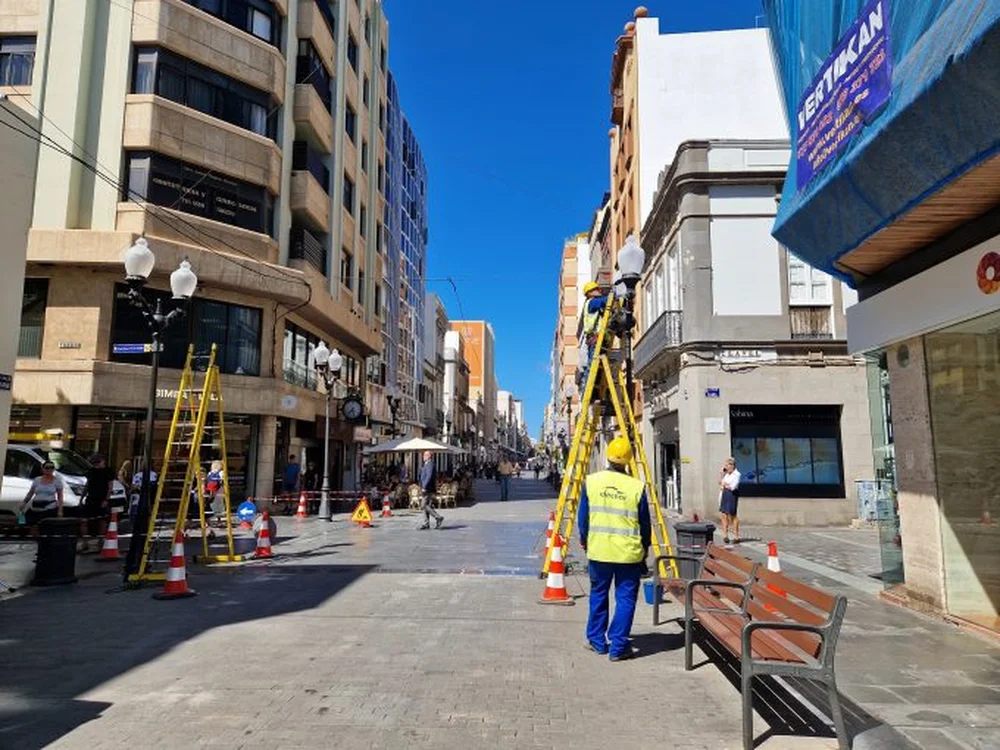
[867, 152]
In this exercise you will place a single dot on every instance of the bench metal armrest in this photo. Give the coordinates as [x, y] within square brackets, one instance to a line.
[709, 583]
[660, 558]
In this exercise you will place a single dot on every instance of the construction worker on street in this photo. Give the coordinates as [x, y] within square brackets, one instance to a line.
[593, 309]
[615, 531]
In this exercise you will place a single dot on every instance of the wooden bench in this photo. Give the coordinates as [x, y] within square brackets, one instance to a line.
[774, 625]
[717, 564]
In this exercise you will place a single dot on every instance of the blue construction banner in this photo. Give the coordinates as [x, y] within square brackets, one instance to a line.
[851, 87]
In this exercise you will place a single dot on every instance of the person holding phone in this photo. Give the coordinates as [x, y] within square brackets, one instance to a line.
[729, 500]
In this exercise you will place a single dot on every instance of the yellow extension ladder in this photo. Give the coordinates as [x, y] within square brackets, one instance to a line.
[605, 387]
[182, 467]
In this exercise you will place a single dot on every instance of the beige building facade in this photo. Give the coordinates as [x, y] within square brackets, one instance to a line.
[246, 136]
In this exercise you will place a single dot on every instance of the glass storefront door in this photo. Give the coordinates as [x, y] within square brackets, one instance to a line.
[963, 374]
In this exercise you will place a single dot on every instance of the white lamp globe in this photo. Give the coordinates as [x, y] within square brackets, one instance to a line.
[336, 361]
[618, 286]
[631, 259]
[183, 281]
[139, 260]
[321, 355]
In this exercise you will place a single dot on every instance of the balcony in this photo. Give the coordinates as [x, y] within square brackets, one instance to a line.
[304, 246]
[304, 157]
[312, 116]
[314, 23]
[810, 323]
[309, 201]
[665, 334]
[298, 374]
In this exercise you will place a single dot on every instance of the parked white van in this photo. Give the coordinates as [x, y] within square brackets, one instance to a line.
[24, 462]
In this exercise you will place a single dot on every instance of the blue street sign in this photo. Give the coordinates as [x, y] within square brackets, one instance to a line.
[246, 511]
[6, 381]
[713, 392]
[132, 348]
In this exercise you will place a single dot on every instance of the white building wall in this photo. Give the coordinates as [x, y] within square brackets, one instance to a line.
[705, 85]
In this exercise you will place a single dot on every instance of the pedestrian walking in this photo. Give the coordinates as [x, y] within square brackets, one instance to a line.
[729, 500]
[538, 468]
[428, 489]
[311, 480]
[96, 505]
[44, 498]
[615, 532]
[291, 480]
[504, 472]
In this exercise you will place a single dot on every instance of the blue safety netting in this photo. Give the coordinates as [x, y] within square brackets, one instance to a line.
[942, 117]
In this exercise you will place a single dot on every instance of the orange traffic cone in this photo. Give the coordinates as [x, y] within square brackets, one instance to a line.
[302, 511]
[555, 587]
[549, 530]
[110, 549]
[774, 566]
[264, 538]
[386, 507]
[175, 587]
[986, 519]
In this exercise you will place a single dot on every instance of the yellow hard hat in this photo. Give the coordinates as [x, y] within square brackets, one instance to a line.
[590, 286]
[620, 451]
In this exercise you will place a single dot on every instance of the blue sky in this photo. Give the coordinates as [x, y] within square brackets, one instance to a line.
[510, 103]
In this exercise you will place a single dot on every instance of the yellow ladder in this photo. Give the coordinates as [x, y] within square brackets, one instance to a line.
[605, 383]
[182, 456]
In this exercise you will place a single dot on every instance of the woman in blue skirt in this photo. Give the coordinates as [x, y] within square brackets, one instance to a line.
[729, 500]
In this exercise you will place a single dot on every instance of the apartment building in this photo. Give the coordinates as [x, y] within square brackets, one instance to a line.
[743, 350]
[459, 414]
[247, 136]
[480, 347]
[435, 327]
[574, 272]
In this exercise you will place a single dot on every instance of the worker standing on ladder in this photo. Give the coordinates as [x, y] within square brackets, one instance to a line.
[615, 531]
[593, 309]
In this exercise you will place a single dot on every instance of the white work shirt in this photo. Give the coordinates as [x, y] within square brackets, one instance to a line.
[731, 481]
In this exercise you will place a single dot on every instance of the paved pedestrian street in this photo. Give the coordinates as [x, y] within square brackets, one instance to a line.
[392, 637]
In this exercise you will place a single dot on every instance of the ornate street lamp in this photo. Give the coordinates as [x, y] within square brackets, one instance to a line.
[568, 393]
[139, 263]
[631, 259]
[393, 399]
[328, 366]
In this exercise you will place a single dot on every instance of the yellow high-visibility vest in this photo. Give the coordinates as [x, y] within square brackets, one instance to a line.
[590, 319]
[613, 534]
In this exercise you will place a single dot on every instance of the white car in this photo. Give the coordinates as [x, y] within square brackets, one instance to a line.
[24, 462]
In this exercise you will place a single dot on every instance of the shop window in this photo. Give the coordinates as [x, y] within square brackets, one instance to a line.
[173, 77]
[17, 60]
[33, 301]
[234, 329]
[788, 451]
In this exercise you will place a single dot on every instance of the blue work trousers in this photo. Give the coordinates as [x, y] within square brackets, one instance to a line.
[626, 579]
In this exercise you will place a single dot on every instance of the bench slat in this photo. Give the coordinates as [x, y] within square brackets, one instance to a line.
[809, 594]
[785, 606]
[727, 629]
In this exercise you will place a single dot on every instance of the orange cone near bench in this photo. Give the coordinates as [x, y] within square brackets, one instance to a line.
[302, 511]
[109, 551]
[175, 587]
[386, 507]
[264, 538]
[773, 565]
[555, 587]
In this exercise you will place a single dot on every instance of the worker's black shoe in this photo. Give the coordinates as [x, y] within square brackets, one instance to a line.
[630, 654]
[438, 522]
[423, 527]
[590, 647]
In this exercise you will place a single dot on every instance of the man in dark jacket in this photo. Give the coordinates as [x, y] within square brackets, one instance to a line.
[428, 486]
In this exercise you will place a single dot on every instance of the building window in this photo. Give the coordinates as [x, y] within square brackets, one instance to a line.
[381, 117]
[351, 122]
[365, 90]
[308, 247]
[168, 75]
[378, 299]
[381, 177]
[361, 287]
[298, 361]
[17, 60]
[309, 69]
[368, 29]
[378, 237]
[349, 194]
[257, 17]
[808, 285]
[33, 301]
[168, 182]
[234, 329]
[352, 52]
[304, 157]
[363, 220]
[382, 58]
[346, 268]
[364, 156]
[788, 451]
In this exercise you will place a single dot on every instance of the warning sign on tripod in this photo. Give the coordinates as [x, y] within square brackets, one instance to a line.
[362, 515]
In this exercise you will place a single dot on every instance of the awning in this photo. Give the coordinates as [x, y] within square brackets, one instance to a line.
[404, 445]
[941, 121]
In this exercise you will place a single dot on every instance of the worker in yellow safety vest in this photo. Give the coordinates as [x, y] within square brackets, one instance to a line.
[593, 308]
[615, 531]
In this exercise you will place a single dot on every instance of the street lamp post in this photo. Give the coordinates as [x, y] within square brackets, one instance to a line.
[139, 263]
[328, 365]
[568, 393]
[394, 400]
[631, 259]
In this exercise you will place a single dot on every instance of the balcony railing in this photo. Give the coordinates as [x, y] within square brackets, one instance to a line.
[306, 247]
[810, 323]
[298, 374]
[304, 157]
[665, 333]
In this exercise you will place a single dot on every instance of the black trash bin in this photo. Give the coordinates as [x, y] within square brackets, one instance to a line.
[693, 538]
[56, 563]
